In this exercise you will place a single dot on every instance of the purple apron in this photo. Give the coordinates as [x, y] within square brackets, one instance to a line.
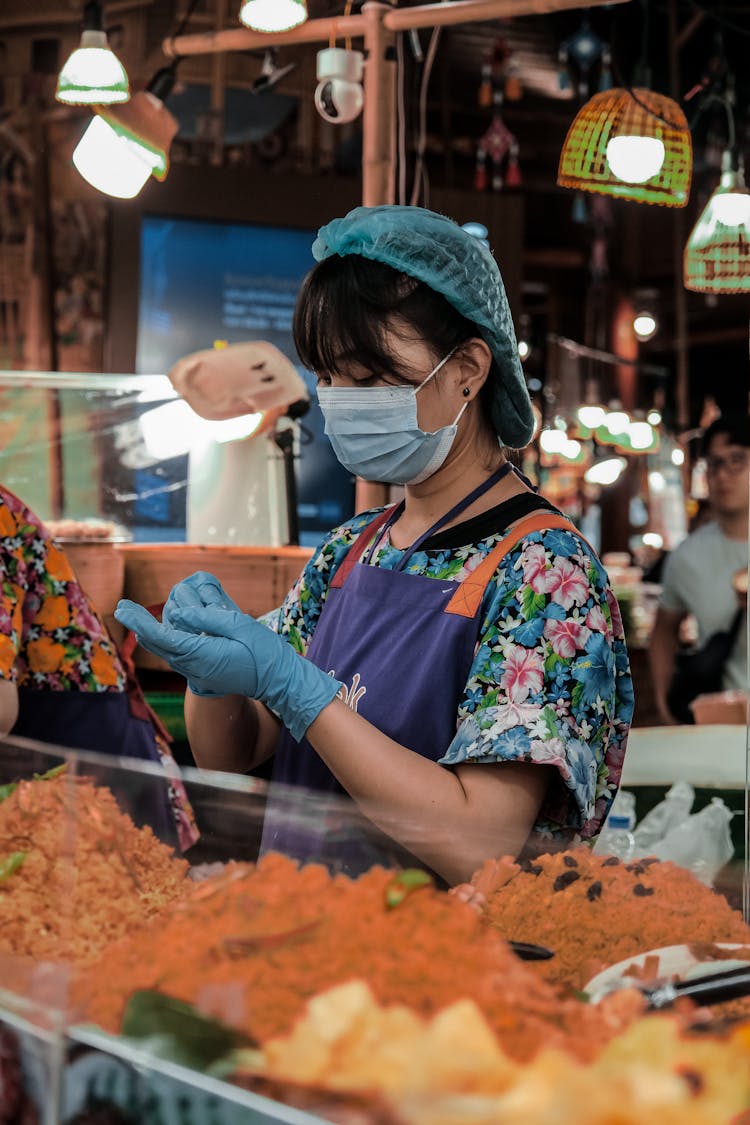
[404, 662]
[118, 724]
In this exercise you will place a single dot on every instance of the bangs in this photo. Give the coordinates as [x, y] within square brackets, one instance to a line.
[343, 311]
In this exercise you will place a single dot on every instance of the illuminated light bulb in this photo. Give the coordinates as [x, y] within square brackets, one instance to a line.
[112, 162]
[591, 416]
[553, 441]
[273, 15]
[653, 539]
[617, 422]
[571, 449]
[732, 208]
[524, 350]
[677, 457]
[635, 159]
[605, 472]
[653, 417]
[641, 435]
[644, 325]
[656, 481]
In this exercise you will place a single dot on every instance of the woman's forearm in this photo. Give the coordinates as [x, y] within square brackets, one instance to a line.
[451, 819]
[230, 733]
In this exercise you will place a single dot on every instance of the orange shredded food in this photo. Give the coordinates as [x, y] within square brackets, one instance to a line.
[87, 875]
[252, 945]
[594, 911]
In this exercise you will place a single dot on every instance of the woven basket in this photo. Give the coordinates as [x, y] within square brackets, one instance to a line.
[717, 258]
[620, 112]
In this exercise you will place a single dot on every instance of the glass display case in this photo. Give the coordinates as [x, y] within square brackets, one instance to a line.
[218, 986]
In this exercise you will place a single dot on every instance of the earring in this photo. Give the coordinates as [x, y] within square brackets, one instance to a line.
[466, 392]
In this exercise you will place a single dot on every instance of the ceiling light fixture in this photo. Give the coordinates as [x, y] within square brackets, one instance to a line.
[92, 74]
[273, 15]
[630, 143]
[717, 254]
[124, 145]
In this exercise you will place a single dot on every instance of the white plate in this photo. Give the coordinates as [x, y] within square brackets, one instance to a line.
[673, 961]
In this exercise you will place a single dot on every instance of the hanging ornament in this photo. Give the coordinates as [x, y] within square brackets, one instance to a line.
[480, 171]
[581, 52]
[513, 89]
[513, 178]
[496, 143]
[579, 212]
[563, 74]
[484, 97]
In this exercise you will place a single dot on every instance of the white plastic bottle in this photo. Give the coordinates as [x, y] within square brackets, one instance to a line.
[616, 837]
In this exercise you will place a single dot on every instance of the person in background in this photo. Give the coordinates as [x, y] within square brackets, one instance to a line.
[701, 575]
[454, 663]
[62, 680]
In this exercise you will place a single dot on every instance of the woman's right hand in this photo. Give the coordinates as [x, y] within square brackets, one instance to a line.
[196, 592]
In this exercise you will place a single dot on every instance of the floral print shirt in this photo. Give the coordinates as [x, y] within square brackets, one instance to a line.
[50, 636]
[550, 681]
[52, 639]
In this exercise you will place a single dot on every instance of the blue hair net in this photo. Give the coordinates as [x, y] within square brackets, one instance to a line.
[436, 251]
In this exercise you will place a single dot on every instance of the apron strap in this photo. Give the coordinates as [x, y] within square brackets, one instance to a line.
[468, 596]
[360, 544]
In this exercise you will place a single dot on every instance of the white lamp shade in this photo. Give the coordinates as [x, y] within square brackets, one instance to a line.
[93, 74]
[111, 162]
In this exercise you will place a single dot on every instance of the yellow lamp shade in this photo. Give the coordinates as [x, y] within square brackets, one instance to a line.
[630, 144]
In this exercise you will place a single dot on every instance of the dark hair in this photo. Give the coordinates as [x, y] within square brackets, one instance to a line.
[735, 426]
[346, 305]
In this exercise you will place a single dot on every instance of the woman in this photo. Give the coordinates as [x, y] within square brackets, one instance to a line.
[472, 703]
[62, 680]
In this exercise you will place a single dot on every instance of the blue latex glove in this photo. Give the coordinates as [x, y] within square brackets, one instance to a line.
[220, 650]
[199, 590]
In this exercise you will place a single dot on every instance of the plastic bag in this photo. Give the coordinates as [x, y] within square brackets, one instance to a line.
[702, 842]
[662, 818]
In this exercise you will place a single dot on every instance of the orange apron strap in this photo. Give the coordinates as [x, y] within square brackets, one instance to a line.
[469, 593]
[360, 545]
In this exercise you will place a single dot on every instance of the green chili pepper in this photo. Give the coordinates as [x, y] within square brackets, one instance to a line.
[11, 864]
[6, 790]
[48, 774]
[407, 881]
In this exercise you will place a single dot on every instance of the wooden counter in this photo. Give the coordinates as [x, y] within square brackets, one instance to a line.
[257, 578]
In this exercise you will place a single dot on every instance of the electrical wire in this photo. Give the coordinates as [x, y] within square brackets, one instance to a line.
[400, 118]
[722, 20]
[421, 178]
[184, 21]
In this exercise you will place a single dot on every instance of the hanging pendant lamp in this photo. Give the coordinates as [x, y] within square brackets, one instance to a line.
[631, 144]
[125, 145]
[92, 74]
[717, 254]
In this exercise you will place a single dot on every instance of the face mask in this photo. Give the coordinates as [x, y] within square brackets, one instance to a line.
[375, 434]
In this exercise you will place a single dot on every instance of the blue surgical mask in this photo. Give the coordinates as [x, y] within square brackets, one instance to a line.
[375, 434]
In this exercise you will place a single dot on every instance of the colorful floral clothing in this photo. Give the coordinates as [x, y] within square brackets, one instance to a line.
[52, 640]
[550, 681]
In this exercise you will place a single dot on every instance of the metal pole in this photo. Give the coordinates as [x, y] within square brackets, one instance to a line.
[352, 27]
